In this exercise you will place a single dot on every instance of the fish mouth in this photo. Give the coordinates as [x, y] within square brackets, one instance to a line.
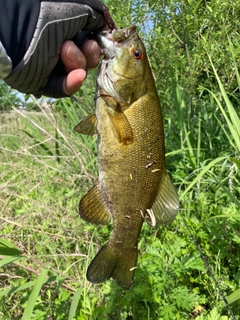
[108, 47]
[111, 41]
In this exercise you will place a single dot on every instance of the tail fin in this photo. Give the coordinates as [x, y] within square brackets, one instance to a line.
[111, 261]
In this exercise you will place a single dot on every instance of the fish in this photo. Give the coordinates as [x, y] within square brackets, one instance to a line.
[133, 185]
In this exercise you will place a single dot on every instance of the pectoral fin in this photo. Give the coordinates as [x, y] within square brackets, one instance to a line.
[118, 119]
[87, 125]
[122, 127]
[93, 208]
[166, 205]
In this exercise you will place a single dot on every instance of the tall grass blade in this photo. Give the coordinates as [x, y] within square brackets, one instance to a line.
[232, 120]
[201, 174]
[237, 162]
[178, 102]
[22, 287]
[231, 196]
[28, 285]
[74, 304]
[199, 142]
[39, 143]
[34, 295]
[192, 158]
[8, 260]
[233, 296]
[57, 146]
[235, 64]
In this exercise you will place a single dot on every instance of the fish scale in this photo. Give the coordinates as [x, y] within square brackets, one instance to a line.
[133, 183]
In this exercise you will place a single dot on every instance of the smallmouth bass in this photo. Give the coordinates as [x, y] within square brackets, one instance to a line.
[133, 183]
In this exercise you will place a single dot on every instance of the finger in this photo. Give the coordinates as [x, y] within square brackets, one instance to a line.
[92, 52]
[73, 81]
[72, 57]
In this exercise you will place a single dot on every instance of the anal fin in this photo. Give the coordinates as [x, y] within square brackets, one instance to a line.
[166, 204]
[93, 208]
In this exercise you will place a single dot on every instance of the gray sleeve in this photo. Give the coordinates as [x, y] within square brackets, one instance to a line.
[5, 63]
[56, 23]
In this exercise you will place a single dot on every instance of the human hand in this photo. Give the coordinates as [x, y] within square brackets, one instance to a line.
[75, 65]
[51, 65]
[76, 62]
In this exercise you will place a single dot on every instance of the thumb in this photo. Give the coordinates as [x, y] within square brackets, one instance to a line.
[64, 86]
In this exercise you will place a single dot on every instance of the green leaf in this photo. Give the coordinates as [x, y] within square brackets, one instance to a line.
[236, 161]
[8, 249]
[8, 260]
[233, 297]
[213, 315]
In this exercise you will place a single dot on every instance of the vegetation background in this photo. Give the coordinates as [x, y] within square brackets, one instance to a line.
[188, 270]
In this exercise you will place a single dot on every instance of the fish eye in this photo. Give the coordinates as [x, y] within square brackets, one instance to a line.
[137, 54]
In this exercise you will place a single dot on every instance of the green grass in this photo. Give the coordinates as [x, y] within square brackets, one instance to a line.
[45, 168]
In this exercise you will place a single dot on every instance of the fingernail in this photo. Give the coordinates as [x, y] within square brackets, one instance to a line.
[94, 51]
[73, 53]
